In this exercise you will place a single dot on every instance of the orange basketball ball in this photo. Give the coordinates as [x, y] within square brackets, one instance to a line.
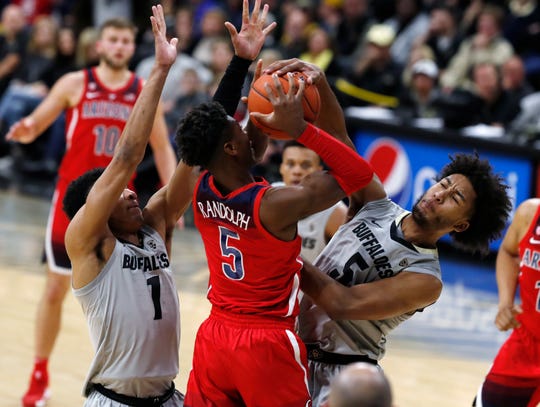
[258, 101]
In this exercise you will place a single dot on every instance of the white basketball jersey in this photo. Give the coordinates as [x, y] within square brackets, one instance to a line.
[367, 248]
[133, 315]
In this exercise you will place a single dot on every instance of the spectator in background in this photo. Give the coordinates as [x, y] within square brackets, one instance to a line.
[329, 16]
[221, 53]
[13, 42]
[373, 78]
[419, 100]
[360, 385]
[183, 28]
[212, 27]
[522, 29]
[486, 45]
[485, 102]
[86, 54]
[442, 36]
[355, 22]
[420, 51]
[192, 93]
[409, 23]
[514, 80]
[296, 28]
[320, 51]
[172, 89]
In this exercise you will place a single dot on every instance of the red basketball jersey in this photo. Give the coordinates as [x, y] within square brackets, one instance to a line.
[529, 277]
[95, 124]
[251, 271]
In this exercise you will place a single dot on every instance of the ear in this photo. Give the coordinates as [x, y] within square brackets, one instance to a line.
[461, 226]
[230, 148]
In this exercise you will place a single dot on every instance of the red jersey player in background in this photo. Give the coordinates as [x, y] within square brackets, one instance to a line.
[249, 230]
[514, 378]
[98, 102]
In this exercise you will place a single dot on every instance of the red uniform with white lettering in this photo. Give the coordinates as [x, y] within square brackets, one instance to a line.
[93, 128]
[517, 364]
[253, 288]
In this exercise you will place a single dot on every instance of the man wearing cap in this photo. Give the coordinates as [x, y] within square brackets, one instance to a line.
[420, 99]
[373, 77]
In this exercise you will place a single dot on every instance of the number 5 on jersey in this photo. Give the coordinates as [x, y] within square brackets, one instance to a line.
[233, 264]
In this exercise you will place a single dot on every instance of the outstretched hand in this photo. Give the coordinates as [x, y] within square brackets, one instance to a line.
[165, 51]
[249, 41]
[281, 67]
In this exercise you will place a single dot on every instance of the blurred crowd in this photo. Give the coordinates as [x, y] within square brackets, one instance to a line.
[450, 63]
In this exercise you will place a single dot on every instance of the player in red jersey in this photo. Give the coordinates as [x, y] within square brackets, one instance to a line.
[248, 344]
[514, 378]
[97, 102]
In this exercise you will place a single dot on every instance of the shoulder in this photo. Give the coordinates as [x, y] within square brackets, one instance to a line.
[527, 209]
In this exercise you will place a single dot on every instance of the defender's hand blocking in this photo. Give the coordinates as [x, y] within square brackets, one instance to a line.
[249, 41]
[289, 97]
[165, 51]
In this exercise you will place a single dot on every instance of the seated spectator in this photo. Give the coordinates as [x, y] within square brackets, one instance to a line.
[356, 21]
[13, 42]
[193, 92]
[212, 27]
[86, 53]
[418, 101]
[409, 23]
[320, 51]
[486, 45]
[296, 28]
[522, 29]
[442, 36]
[373, 78]
[486, 102]
[514, 79]
[419, 51]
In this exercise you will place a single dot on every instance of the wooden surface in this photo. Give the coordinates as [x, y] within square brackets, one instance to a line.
[420, 377]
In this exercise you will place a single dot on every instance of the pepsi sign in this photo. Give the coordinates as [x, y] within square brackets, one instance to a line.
[408, 167]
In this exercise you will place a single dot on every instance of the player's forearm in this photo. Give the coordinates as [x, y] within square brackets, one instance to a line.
[141, 120]
[331, 118]
[350, 170]
[507, 271]
[229, 90]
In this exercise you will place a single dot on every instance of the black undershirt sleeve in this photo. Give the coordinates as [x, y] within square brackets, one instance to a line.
[229, 90]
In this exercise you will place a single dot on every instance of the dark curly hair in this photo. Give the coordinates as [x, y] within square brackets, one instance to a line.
[78, 190]
[491, 207]
[200, 132]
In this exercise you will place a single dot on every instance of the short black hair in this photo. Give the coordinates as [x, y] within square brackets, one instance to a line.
[77, 191]
[200, 133]
[492, 205]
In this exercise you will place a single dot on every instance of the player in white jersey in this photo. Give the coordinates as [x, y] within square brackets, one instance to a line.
[297, 162]
[120, 259]
[382, 266]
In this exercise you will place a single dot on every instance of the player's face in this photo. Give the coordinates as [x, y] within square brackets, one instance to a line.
[296, 163]
[447, 205]
[127, 215]
[243, 144]
[116, 47]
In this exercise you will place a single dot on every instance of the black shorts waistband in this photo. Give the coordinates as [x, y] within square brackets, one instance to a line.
[316, 354]
[135, 401]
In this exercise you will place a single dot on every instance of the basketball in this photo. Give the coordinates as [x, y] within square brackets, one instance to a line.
[259, 102]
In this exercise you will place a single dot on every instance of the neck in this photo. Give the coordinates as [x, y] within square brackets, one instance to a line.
[112, 77]
[417, 235]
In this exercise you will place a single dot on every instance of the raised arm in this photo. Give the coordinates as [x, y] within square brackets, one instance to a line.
[59, 98]
[406, 292]
[247, 45]
[283, 207]
[332, 120]
[507, 265]
[162, 150]
[90, 226]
